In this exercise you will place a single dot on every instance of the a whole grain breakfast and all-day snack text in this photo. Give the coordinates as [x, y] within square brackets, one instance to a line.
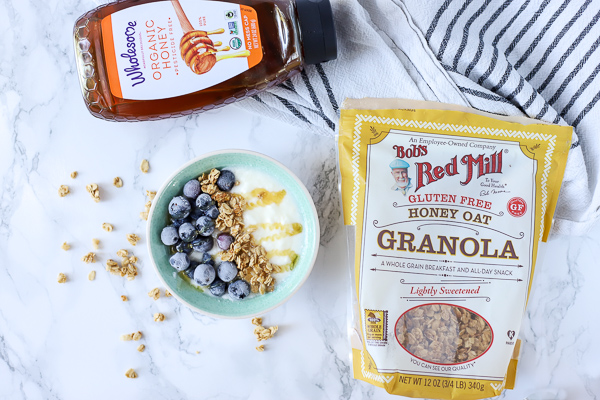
[447, 208]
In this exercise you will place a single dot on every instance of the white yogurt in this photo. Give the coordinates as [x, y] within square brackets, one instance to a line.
[277, 224]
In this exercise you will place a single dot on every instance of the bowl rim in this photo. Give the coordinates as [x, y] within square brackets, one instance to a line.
[278, 164]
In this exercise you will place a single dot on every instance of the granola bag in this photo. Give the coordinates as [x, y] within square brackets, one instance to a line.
[447, 207]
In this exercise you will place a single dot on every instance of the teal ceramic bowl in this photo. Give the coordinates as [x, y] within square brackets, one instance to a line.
[203, 302]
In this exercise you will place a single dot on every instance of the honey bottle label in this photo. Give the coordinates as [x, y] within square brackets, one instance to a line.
[171, 48]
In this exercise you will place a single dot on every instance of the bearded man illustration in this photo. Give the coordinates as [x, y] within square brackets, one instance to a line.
[400, 173]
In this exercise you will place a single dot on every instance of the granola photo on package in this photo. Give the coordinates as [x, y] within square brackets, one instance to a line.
[447, 208]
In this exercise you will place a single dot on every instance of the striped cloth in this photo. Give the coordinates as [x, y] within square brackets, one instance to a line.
[537, 58]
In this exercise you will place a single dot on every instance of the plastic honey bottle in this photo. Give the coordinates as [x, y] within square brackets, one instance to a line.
[152, 59]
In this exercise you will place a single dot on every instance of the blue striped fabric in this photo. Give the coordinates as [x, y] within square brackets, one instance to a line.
[548, 56]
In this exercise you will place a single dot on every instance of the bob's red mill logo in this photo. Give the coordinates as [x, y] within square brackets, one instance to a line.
[428, 173]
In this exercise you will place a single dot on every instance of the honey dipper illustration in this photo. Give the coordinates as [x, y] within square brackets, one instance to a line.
[197, 48]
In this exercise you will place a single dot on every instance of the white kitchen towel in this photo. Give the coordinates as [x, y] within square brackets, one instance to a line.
[536, 58]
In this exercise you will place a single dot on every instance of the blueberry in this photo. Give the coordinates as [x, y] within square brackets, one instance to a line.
[169, 235]
[190, 270]
[224, 241]
[203, 244]
[226, 180]
[179, 207]
[203, 202]
[187, 232]
[207, 259]
[196, 213]
[218, 288]
[183, 247]
[179, 261]
[204, 274]
[191, 189]
[227, 271]
[212, 212]
[178, 222]
[205, 226]
[238, 290]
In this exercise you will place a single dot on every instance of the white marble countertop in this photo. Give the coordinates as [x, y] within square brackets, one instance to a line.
[62, 341]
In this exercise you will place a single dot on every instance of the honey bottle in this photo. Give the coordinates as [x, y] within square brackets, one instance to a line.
[140, 60]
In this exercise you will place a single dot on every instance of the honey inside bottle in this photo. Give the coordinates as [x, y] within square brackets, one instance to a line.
[151, 59]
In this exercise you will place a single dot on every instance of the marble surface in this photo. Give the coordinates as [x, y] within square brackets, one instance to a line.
[62, 341]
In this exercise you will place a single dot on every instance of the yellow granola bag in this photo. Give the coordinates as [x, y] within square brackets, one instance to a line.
[448, 208]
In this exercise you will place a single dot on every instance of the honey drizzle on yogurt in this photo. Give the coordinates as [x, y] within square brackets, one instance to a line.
[293, 256]
[264, 196]
[287, 230]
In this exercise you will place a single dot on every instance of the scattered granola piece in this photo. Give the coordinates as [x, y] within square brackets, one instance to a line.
[94, 191]
[107, 227]
[62, 278]
[150, 194]
[63, 190]
[159, 317]
[168, 294]
[263, 333]
[133, 238]
[118, 182]
[89, 258]
[65, 246]
[137, 336]
[145, 166]
[144, 215]
[141, 348]
[131, 373]
[261, 348]
[95, 243]
[74, 174]
[154, 293]
[257, 321]
[113, 267]
[92, 275]
[124, 298]
[127, 269]
[126, 337]
[197, 352]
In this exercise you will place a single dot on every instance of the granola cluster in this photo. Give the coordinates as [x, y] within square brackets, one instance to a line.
[443, 334]
[132, 238]
[127, 268]
[144, 214]
[131, 336]
[130, 373]
[94, 191]
[252, 263]
[250, 258]
[63, 190]
[261, 333]
[145, 166]
[154, 293]
[89, 258]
